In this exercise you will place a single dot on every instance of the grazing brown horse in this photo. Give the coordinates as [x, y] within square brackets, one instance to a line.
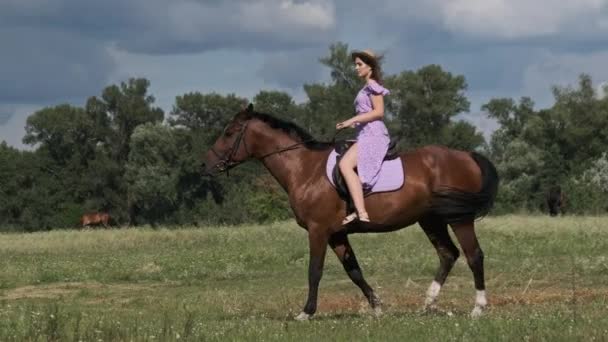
[93, 219]
[443, 187]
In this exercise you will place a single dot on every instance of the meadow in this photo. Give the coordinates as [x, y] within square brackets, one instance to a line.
[546, 278]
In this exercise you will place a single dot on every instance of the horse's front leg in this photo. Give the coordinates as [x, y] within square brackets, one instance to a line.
[317, 240]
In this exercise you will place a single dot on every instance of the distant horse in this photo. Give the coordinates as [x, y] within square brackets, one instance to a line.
[443, 186]
[555, 200]
[94, 219]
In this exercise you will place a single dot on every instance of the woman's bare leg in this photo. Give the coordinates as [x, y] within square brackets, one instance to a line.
[348, 163]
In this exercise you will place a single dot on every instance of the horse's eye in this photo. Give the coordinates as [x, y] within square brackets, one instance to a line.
[227, 132]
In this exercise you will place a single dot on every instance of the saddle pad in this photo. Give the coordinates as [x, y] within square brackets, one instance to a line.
[391, 175]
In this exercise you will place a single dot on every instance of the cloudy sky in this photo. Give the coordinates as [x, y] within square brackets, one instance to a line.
[57, 51]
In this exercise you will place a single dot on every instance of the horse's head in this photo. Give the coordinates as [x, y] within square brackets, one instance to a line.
[230, 149]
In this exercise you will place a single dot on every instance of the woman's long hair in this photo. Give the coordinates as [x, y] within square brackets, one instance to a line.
[373, 61]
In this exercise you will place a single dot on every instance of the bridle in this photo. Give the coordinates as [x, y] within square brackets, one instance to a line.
[226, 160]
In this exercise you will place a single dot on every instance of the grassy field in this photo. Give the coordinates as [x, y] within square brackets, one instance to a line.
[547, 280]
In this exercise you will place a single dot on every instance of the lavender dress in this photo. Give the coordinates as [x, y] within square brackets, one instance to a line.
[372, 137]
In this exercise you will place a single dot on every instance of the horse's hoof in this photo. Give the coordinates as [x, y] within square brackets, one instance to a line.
[378, 311]
[477, 312]
[429, 309]
[303, 316]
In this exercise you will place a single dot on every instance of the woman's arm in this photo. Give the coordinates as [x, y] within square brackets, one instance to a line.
[375, 114]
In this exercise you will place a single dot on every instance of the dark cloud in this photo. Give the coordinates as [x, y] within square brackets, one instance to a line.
[62, 50]
[50, 66]
[418, 33]
[182, 26]
[190, 26]
[294, 68]
[66, 50]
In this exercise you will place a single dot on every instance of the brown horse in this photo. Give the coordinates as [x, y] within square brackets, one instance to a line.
[93, 219]
[443, 187]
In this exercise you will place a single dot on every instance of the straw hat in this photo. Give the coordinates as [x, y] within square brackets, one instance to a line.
[367, 56]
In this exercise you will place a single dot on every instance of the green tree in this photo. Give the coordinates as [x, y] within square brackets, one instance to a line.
[278, 104]
[423, 102]
[331, 103]
[586, 121]
[127, 105]
[67, 139]
[118, 112]
[10, 184]
[205, 115]
[342, 72]
[66, 132]
[152, 175]
[563, 140]
[461, 135]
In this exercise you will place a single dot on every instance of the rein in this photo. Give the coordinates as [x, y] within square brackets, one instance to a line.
[226, 161]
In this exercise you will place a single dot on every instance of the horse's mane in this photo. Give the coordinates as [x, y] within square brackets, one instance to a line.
[293, 130]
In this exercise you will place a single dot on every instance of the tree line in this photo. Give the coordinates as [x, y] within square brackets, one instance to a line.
[121, 154]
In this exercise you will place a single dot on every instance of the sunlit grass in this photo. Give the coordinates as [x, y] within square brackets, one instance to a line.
[546, 280]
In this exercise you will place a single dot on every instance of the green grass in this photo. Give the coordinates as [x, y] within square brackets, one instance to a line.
[547, 279]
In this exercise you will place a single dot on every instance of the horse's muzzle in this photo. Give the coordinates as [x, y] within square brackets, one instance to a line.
[206, 171]
[214, 170]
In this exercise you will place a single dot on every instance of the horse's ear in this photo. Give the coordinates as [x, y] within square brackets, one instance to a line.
[249, 108]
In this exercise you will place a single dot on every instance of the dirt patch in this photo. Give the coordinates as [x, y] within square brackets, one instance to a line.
[340, 302]
[580, 295]
[330, 300]
[58, 290]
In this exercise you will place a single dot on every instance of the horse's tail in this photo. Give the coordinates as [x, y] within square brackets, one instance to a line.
[456, 206]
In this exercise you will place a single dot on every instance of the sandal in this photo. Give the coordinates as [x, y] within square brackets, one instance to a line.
[363, 217]
[349, 218]
[354, 216]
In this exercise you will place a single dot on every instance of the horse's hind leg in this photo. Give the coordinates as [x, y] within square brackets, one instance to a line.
[437, 232]
[465, 233]
[339, 243]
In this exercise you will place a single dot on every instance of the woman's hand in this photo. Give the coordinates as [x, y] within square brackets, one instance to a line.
[346, 124]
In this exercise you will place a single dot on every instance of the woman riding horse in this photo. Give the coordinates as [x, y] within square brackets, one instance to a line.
[443, 187]
[367, 153]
